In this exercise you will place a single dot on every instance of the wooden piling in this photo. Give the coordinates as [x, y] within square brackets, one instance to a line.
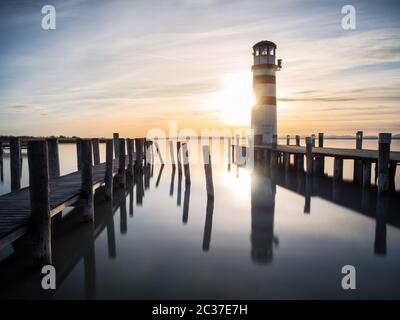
[139, 154]
[39, 190]
[392, 175]
[129, 147]
[309, 155]
[229, 146]
[288, 140]
[54, 160]
[208, 171]
[159, 153]
[185, 156]
[338, 168]
[122, 160]
[116, 145]
[313, 140]
[366, 181]
[109, 169]
[96, 151]
[178, 153]
[383, 162]
[79, 154]
[286, 160]
[319, 162]
[358, 165]
[15, 163]
[87, 180]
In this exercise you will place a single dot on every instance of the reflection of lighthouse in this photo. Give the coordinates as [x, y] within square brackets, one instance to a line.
[263, 115]
[262, 218]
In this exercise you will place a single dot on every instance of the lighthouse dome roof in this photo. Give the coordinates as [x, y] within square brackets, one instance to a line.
[264, 43]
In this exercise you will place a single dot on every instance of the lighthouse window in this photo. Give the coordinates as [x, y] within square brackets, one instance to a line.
[264, 51]
[271, 51]
[257, 52]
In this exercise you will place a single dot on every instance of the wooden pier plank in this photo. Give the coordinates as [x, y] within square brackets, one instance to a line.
[64, 191]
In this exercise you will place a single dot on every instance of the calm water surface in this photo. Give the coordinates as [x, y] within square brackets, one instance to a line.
[265, 235]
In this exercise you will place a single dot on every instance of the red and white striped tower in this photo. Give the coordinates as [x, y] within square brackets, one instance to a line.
[263, 115]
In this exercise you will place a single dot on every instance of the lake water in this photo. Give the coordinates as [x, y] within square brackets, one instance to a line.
[265, 235]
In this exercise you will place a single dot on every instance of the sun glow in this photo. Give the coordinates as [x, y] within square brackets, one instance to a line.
[235, 100]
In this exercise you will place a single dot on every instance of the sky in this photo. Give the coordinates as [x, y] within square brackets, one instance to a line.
[129, 66]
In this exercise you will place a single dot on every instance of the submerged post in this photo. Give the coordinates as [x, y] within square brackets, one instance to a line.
[15, 163]
[108, 179]
[383, 162]
[116, 145]
[186, 168]
[96, 151]
[39, 190]
[122, 161]
[87, 180]
[309, 155]
[208, 171]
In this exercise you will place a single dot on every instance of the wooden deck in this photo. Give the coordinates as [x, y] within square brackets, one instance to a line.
[362, 154]
[64, 191]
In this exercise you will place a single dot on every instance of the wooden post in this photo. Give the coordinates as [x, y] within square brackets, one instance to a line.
[1, 162]
[208, 171]
[87, 180]
[116, 145]
[79, 154]
[366, 181]
[392, 176]
[357, 171]
[313, 140]
[108, 179]
[129, 147]
[309, 155]
[297, 140]
[171, 152]
[238, 150]
[229, 143]
[178, 153]
[321, 140]
[39, 190]
[320, 159]
[122, 161]
[15, 163]
[288, 140]
[139, 154]
[96, 151]
[185, 156]
[383, 162]
[274, 154]
[338, 168]
[54, 160]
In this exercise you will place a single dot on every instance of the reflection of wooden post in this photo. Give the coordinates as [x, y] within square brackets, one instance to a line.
[383, 162]
[380, 227]
[309, 155]
[185, 156]
[171, 152]
[15, 163]
[109, 169]
[159, 175]
[87, 180]
[338, 168]
[159, 153]
[54, 161]
[116, 145]
[208, 171]
[186, 198]
[122, 161]
[1, 162]
[357, 171]
[366, 181]
[96, 151]
[308, 193]
[392, 176]
[112, 250]
[39, 190]
[208, 224]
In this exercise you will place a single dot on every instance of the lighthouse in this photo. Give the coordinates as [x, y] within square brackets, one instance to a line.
[263, 114]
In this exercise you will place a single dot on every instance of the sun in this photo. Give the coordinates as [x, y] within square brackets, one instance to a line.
[235, 100]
